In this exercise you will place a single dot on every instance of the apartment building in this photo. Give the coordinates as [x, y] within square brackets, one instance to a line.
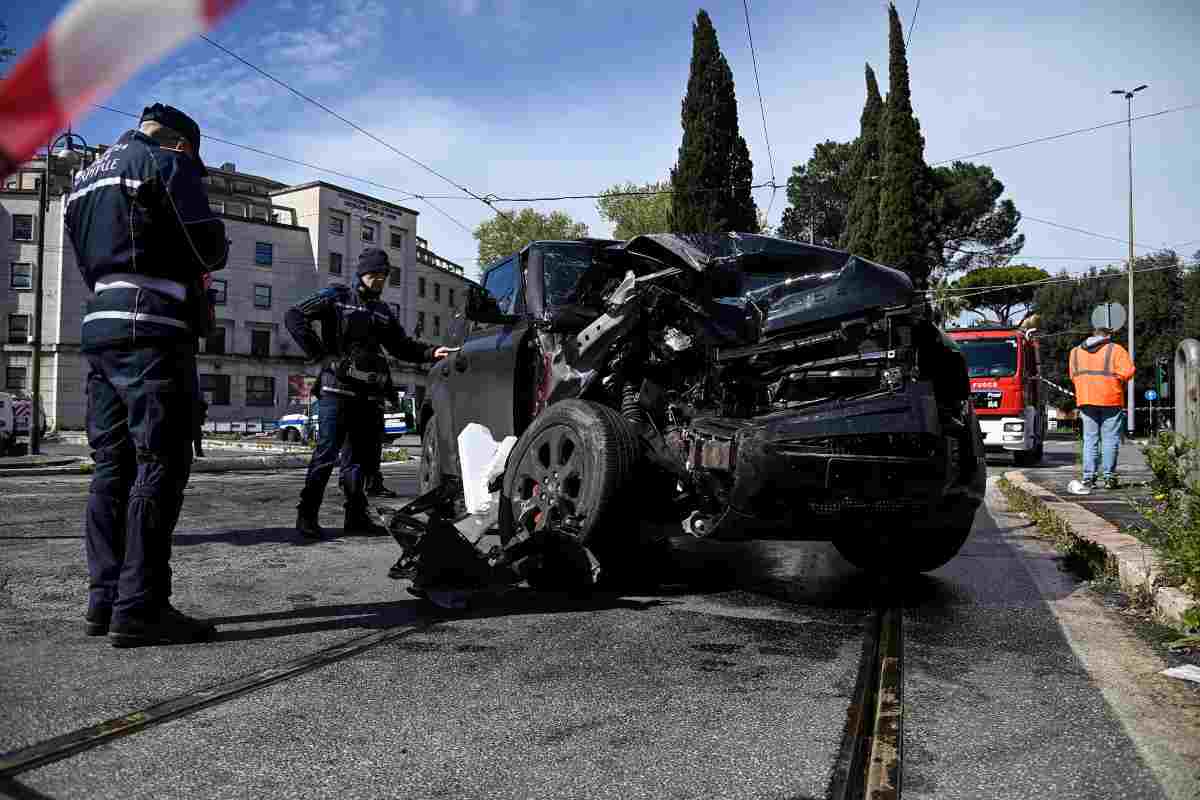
[287, 242]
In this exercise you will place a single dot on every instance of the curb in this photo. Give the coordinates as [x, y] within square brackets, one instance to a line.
[1134, 563]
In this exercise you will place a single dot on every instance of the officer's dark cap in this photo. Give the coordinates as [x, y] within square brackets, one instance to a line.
[177, 121]
[372, 260]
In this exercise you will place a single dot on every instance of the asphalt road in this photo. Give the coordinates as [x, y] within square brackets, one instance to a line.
[734, 683]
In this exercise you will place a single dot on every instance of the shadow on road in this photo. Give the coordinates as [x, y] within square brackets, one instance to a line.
[376, 616]
[255, 536]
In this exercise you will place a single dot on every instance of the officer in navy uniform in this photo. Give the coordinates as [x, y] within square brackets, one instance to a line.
[356, 327]
[144, 238]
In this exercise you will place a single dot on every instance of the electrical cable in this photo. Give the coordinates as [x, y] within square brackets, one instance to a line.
[1087, 232]
[958, 294]
[1065, 134]
[761, 107]
[912, 23]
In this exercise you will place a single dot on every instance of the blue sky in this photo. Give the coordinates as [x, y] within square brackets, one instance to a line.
[523, 97]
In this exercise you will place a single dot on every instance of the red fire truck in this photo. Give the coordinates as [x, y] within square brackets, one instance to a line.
[1003, 365]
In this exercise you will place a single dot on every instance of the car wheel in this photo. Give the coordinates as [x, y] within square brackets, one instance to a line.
[293, 435]
[429, 473]
[572, 463]
[920, 552]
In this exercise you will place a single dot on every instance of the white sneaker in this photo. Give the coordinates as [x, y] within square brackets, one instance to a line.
[1079, 487]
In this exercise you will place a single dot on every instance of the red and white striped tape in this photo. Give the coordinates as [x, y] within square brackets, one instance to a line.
[92, 47]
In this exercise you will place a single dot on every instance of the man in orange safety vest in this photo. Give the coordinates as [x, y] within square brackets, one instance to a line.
[1100, 369]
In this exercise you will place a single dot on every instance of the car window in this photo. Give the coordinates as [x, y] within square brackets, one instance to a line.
[501, 283]
[562, 267]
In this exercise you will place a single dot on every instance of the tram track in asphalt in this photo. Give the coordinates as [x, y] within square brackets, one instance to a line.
[868, 765]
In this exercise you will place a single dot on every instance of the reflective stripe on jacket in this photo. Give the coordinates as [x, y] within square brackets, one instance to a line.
[1100, 375]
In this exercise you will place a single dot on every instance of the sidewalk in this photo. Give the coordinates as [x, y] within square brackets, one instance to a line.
[1101, 517]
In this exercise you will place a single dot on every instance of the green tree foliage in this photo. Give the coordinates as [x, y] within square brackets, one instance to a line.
[971, 226]
[862, 217]
[713, 175]
[507, 233]
[1001, 302]
[634, 211]
[1160, 301]
[1191, 294]
[819, 195]
[904, 214]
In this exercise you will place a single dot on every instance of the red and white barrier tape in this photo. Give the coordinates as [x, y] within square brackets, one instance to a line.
[92, 47]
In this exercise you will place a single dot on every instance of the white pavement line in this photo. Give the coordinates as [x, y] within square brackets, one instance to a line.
[1137, 567]
[1156, 713]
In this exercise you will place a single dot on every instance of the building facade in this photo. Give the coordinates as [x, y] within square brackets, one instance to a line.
[287, 242]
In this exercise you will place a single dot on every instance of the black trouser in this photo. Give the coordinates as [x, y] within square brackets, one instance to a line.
[349, 429]
[140, 410]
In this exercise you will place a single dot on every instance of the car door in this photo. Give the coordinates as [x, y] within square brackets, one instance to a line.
[480, 377]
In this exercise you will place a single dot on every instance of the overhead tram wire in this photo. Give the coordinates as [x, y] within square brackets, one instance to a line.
[912, 24]
[1065, 134]
[959, 294]
[1087, 232]
[761, 107]
[363, 131]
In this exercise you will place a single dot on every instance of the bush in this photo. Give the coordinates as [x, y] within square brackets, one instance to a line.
[1173, 510]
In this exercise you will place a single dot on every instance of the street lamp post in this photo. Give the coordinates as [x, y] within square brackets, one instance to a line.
[1128, 94]
[35, 411]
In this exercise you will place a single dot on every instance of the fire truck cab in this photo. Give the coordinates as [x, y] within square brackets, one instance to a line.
[1004, 368]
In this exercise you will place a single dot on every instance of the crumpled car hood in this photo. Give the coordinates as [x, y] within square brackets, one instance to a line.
[788, 285]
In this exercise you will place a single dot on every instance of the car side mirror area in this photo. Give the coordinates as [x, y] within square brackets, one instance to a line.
[481, 306]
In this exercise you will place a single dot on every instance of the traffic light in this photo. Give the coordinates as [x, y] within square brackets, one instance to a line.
[1164, 387]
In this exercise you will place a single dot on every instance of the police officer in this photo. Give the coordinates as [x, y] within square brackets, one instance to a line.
[354, 380]
[144, 238]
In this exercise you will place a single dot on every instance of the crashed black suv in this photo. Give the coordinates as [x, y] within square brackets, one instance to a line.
[735, 385]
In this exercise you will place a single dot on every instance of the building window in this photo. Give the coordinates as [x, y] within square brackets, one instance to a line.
[22, 227]
[437, 325]
[215, 389]
[220, 290]
[264, 253]
[14, 379]
[420, 329]
[437, 292]
[394, 276]
[214, 344]
[396, 310]
[260, 391]
[18, 328]
[420, 287]
[335, 263]
[21, 276]
[450, 297]
[259, 213]
[260, 343]
[216, 207]
[262, 296]
[368, 233]
[337, 226]
[398, 239]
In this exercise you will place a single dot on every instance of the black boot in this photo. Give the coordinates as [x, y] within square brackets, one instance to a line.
[307, 527]
[362, 522]
[165, 625]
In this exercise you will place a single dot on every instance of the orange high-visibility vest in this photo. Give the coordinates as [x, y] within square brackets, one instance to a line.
[1100, 376]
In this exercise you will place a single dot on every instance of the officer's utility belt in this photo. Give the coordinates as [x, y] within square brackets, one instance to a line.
[362, 376]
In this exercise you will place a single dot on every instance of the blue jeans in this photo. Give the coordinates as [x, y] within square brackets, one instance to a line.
[349, 421]
[1102, 426]
[140, 411]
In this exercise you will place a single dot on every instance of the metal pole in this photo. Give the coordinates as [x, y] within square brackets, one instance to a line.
[1132, 355]
[35, 428]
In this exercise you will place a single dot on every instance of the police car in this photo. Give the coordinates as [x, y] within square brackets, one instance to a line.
[298, 424]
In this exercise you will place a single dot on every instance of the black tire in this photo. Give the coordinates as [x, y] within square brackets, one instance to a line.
[920, 551]
[293, 435]
[574, 462]
[429, 471]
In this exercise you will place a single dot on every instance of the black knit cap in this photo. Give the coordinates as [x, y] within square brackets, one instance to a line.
[372, 260]
[178, 121]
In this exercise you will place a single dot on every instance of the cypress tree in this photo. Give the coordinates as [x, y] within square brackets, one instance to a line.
[863, 216]
[712, 177]
[902, 235]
